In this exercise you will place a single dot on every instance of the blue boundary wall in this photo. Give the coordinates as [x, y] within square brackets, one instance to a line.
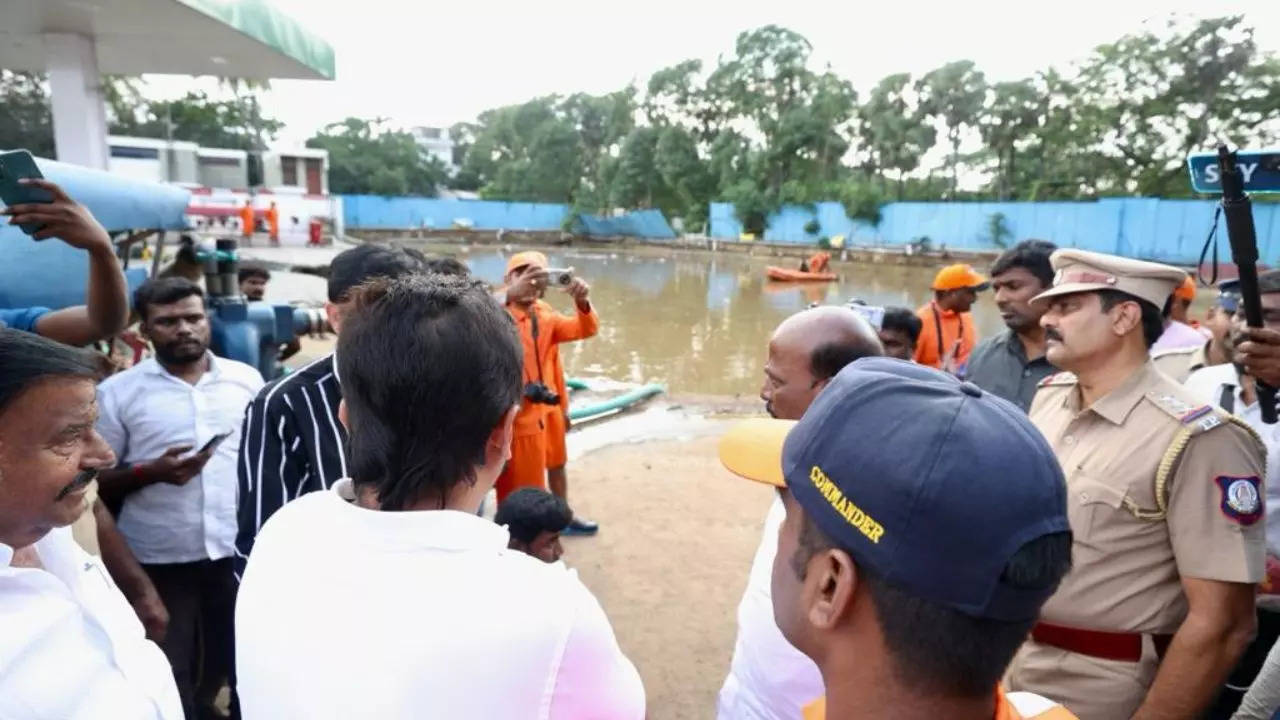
[404, 213]
[1166, 230]
[650, 224]
[399, 213]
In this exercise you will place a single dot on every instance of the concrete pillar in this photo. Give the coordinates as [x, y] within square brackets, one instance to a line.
[79, 115]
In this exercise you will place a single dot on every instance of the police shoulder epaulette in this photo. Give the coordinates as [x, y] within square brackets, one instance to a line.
[1062, 378]
[1195, 417]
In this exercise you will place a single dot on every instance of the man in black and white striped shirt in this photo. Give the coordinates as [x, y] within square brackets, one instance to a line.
[292, 442]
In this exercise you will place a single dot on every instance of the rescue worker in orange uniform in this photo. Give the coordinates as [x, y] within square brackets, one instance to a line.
[540, 329]
[817, 262]
[948, 335]
[246, 220]
[558, 425]
[273, 223]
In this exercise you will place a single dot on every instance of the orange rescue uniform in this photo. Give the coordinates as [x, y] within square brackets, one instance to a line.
[557, 420]
[273, 222]
[246, 220]
[938, 334]
[528, 464]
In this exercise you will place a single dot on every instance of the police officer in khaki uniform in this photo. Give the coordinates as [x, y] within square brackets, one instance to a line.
[1165, 503]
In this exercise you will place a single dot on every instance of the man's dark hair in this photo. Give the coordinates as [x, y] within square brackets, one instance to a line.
[1152, 318]
[253, 271]
[447, 266]
[902, 320]
[162, 291]
[1030, 254]
[429, 366]
[27, 359]
[528, 512]
[938, 649]
[365, 262]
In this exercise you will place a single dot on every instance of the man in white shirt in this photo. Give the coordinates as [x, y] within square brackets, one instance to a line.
[768, 678]
[71, 647]
[178, 510]
[386, 596]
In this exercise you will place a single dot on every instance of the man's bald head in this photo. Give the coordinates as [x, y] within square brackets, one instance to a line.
[807, 350]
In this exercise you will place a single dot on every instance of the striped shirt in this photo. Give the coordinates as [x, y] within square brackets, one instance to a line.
[292, 444]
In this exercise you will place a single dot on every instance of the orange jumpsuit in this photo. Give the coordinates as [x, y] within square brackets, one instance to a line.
[557, 419]
[528, 464]
[273, 223]
[246, 220]
[817, 262]
[957, 338]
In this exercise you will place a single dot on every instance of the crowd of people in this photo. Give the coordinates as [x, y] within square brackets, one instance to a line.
[1065, 519]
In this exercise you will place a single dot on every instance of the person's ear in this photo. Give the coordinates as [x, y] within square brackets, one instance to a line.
[342, 415]
[333, 313]
[499, 445]
[1125, 317]
[830, 582]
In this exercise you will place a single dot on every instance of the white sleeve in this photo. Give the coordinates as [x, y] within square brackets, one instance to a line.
[110, 425]
[1263, 698]
[595, 680]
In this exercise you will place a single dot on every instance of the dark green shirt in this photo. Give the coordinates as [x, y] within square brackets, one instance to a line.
[999, 365]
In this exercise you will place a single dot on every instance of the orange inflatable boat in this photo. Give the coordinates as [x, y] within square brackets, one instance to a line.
[789, 275]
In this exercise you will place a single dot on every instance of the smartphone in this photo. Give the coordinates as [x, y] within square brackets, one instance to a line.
[14, 166]
[214, 442]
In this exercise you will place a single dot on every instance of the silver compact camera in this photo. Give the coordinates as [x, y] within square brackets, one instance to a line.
[559, 277]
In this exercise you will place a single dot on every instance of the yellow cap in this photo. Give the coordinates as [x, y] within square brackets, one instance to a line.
[753, 449]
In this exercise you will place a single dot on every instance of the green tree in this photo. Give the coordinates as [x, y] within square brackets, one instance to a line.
[198, 118]
[26, 120]
[1157, 97]
[895, 130]
[1011, 115]
[954, 93]
[368, 157]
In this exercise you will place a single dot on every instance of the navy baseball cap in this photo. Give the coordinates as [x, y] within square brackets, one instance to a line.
[932, 483]
[1229, 295]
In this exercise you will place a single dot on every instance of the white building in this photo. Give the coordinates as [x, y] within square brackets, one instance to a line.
[437, 143]
[153, 160]
[304, 169]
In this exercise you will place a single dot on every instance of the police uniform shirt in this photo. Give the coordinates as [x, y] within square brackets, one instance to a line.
[1179, 363]
[1126, 569]
[1220, 385]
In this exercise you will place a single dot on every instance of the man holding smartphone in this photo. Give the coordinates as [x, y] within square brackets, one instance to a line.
[177, 503]
[106, 311]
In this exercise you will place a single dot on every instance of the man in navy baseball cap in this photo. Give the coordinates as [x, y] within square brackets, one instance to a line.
[926, 524]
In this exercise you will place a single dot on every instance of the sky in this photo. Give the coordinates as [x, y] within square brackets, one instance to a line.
[437, 63]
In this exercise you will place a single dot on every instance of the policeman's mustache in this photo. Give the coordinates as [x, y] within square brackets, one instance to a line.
[1053, 334]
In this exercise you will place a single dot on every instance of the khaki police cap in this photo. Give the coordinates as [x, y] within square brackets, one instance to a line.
[1083, 271]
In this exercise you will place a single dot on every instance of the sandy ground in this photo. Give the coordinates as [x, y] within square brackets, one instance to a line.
[677, 537]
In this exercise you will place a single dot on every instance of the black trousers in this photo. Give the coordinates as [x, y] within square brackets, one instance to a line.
[200, 643]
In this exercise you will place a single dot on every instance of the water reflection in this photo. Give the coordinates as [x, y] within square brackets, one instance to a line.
[699, 321]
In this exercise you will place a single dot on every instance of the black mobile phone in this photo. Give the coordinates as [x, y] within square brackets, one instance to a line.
[14, 166]
[214, 442]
